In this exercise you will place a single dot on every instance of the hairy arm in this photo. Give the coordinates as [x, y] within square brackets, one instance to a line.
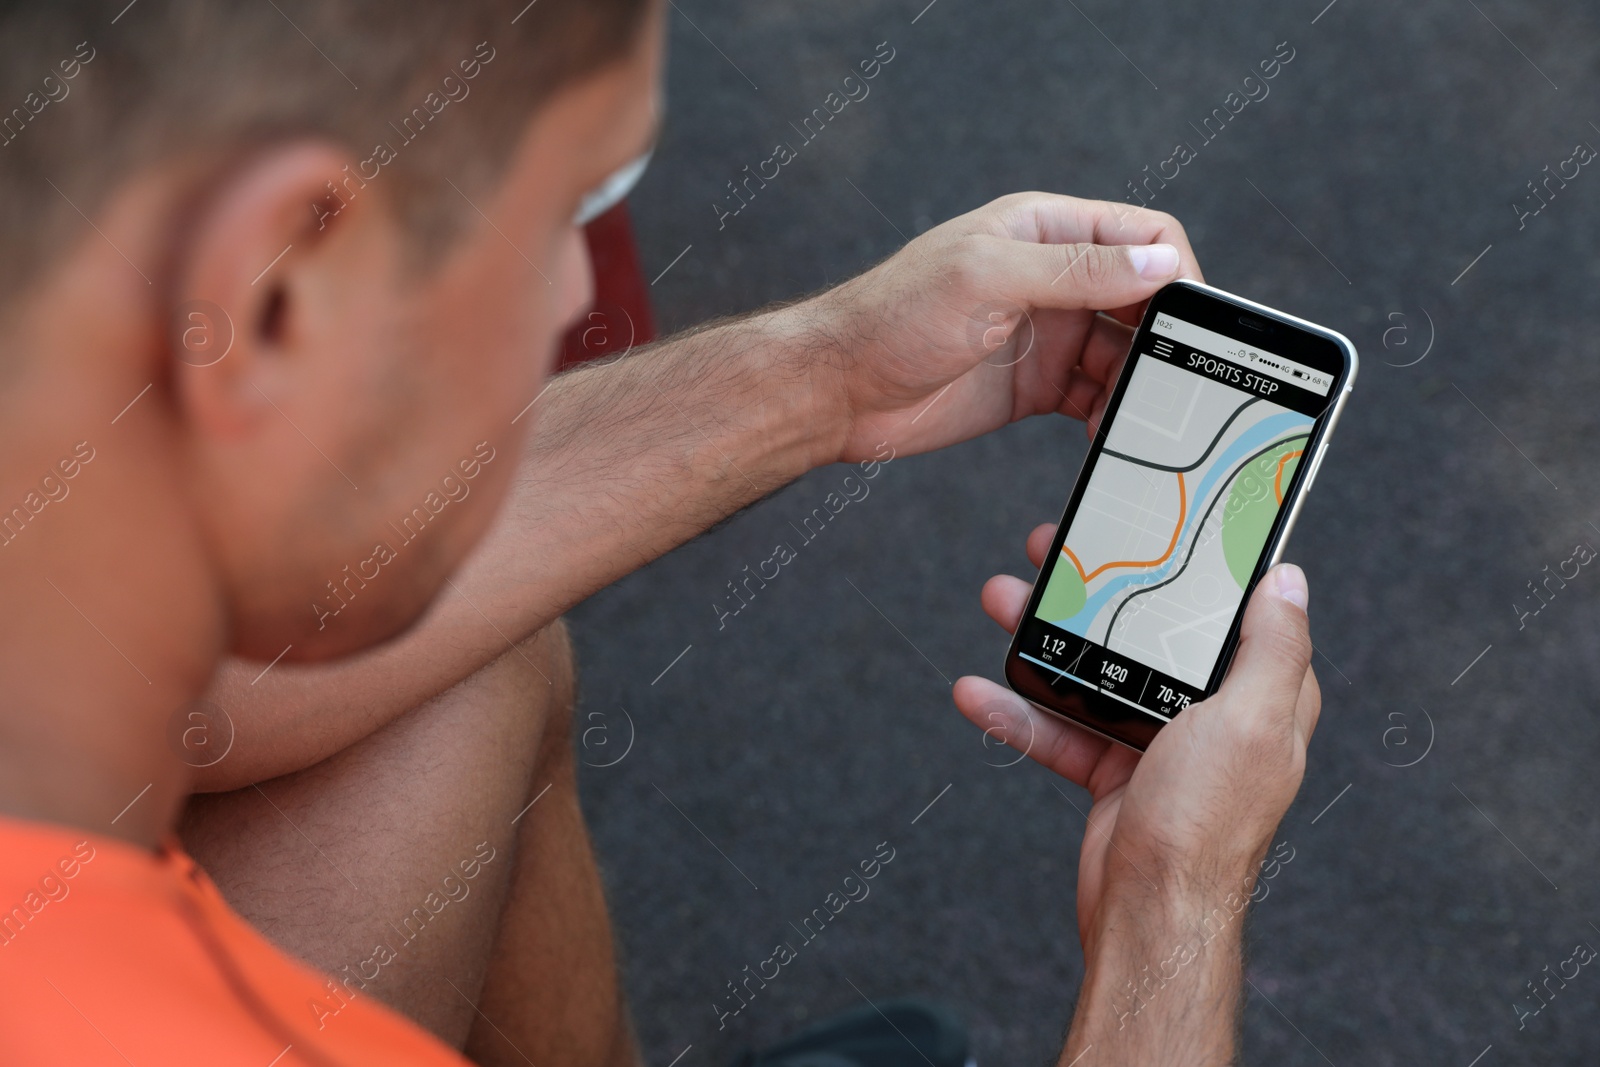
[1162, 981]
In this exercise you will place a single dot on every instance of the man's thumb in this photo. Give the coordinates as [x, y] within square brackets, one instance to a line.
[1106, 274]
[1091, 276]
[1153, 263]
[1274, 646]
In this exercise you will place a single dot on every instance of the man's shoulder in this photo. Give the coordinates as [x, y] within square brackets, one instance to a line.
[108, 950]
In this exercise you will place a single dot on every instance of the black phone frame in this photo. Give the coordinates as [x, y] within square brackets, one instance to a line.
[1250, 324]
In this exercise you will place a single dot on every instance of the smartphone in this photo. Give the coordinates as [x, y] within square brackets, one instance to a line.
[1208, 446]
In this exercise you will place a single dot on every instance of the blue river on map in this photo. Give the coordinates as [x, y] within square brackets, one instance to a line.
[1257, 436]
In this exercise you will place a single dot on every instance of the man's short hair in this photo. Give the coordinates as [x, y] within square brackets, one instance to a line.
[422, 93]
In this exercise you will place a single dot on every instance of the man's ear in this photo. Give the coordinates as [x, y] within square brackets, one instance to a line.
[253, 280]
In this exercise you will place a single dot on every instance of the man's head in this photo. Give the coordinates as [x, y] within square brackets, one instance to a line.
[335, 241]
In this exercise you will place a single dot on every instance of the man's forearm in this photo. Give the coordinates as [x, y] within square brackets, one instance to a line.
[628, 460]
[633, 458]
[1162, 982]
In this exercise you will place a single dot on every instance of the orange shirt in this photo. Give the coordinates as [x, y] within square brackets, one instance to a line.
[113, 955]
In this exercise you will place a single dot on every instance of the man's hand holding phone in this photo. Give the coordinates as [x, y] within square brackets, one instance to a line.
[1176, 835]
[988, 318]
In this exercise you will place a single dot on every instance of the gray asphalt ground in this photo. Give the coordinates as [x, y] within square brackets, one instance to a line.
[777, 753]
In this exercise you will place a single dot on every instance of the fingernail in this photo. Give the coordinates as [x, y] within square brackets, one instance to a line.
[1292, 586]
[1154, 261]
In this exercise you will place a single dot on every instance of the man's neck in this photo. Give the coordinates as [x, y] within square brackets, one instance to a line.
[111, 625]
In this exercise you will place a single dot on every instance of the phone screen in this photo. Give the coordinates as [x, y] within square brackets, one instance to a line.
[1173, 515]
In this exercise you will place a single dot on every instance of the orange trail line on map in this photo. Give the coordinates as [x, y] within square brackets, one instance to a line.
[1277, 479]
[1183, 505]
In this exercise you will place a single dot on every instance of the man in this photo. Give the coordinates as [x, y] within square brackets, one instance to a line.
[265, 386]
